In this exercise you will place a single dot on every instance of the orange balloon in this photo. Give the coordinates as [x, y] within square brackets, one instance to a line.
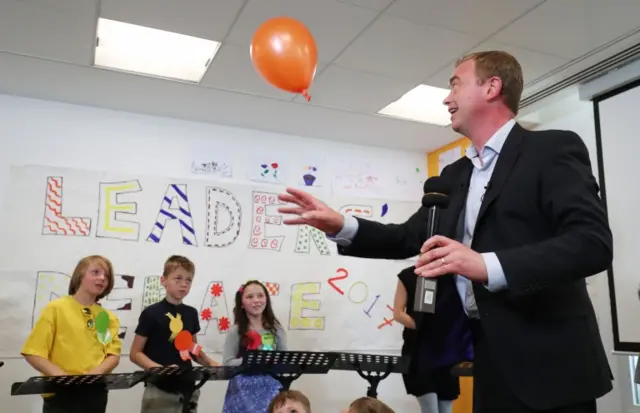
[284, 52]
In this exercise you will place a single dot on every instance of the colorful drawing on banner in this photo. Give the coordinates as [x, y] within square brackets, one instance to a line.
[299, 303]
[365, 211]
[224, 218]
[267, 172]
[343, 274]
[120, 301]
[175, 207]
[364, 181]
[375, 301]
[409, 181]
[272, 288]
[54, 222]
[261, 218]
[385, 209]
[305, 235]
[387, 321]
[111, 212]
[357, 293]
[310, 175]
[356, 178]
[214, 309]
[152, 292]
[211, 168]
[400, 181]
[50, 285]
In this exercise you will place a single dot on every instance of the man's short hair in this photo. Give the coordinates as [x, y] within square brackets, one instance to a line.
[506, 67]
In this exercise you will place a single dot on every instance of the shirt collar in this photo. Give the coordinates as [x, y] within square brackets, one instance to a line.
[494, 143]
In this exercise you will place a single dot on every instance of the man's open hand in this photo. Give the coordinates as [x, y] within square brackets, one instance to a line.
[310, 211]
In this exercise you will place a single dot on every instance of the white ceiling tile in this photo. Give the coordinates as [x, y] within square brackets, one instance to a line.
[397, 48]
[332, 24]
[232, 69]
[207, 19]
[611, 19]
[534, 64]
[556, 28]
[352, 90]
[369, 4]
[481, 18]
[63, 30]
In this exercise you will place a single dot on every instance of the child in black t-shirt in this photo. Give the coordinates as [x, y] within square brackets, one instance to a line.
[162, 328]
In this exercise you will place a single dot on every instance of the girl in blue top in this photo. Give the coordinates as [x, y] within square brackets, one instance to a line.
[255, 328]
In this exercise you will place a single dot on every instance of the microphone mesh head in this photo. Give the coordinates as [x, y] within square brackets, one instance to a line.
[435, 199]
[437, 184]
[436, 192]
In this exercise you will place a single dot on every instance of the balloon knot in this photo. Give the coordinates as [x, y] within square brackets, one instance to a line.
[306, 95]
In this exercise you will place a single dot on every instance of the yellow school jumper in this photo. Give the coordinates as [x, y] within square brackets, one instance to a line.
[65, 334]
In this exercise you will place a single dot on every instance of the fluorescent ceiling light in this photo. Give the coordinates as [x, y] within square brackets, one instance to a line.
[421, 104]
[142, 50]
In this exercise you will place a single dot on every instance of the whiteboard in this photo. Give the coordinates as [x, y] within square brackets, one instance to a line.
[53, 217]
[617, 126]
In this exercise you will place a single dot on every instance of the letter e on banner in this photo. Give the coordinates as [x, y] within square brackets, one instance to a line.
[299, 303]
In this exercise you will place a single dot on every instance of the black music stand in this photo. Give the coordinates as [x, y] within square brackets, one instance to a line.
[372, 367]
[75, 383]
[287, 366]
[188, 376]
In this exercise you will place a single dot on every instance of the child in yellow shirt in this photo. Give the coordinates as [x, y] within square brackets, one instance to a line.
[76, 335]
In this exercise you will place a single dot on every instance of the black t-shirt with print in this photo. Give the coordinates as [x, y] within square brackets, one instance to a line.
[159, 323]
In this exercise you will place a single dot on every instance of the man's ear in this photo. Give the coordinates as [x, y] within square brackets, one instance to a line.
[494, 89]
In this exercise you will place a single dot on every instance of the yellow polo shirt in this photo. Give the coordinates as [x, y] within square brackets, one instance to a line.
[65, 336]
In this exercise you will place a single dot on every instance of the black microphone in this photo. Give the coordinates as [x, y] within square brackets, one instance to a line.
[1, 363]
[487, 188]
[435, 199]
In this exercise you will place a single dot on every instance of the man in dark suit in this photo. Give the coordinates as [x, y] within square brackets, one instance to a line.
[523, 229]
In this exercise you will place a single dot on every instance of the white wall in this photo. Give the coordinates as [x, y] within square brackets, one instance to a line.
[46, 133]
[572, 114]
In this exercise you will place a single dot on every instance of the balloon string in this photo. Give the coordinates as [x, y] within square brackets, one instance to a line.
[306, 95]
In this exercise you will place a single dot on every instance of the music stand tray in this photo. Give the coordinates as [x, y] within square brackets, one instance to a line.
[287, 366]
[59, 384]
[372, 367]
[189, 375]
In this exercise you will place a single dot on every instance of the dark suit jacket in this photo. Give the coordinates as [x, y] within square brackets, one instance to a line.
[544, 220]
